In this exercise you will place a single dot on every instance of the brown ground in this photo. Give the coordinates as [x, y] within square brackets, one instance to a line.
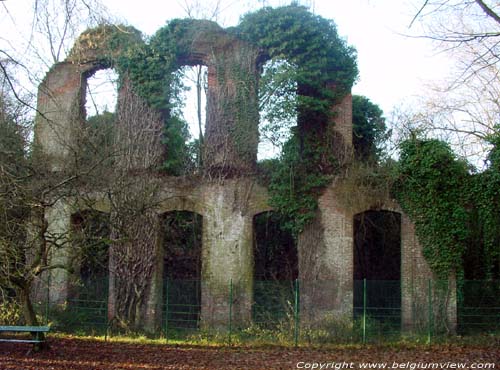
[78, 354]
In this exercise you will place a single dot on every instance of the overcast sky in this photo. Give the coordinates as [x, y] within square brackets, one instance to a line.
[392, 67]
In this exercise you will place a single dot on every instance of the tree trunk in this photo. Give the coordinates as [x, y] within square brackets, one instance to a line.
[30, 315]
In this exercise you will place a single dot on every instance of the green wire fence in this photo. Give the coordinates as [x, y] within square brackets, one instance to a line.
[287, 312]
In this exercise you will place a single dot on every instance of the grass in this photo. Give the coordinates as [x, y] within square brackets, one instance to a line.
[251, 338]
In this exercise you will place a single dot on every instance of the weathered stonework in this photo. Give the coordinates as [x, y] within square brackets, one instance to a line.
[227, 199]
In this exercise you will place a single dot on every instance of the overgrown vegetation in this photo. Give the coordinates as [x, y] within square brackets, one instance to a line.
[310, 69]
[313, 69]
[310, 73]
[455, 211]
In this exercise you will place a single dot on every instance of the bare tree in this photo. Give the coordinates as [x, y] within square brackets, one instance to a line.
[45, 40]
[198, 75]
[28, 190]
[464, 106]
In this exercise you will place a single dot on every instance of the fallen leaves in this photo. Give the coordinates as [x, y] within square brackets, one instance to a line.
[78, 354]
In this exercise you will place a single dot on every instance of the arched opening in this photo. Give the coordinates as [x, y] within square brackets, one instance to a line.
[275, 268]
[90, 239]
[182, 244]
[99, 114]
[101, 93]
[194, 110]
[377, 267]
[277, 107]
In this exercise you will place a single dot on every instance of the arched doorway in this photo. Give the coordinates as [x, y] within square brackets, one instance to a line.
[377, 267]
[88, 298]
[275, 268]
[182, 260]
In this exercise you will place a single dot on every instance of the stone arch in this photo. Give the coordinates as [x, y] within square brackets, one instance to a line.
[61, 102]
[182, 247]
[275, 249]
[62, 92]
[231, 129]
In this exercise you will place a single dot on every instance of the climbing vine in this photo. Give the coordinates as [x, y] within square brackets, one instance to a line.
[484, 191]
[151, 68]
[455, 212]
[314, 68]
[431, 190]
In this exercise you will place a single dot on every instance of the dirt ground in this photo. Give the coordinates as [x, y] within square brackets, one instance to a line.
[79, 354]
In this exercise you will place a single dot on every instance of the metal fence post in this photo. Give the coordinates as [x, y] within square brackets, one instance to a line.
[106, 312]
[296, 314]
[364, 311]
[430, 314]
[166, 310]
[47, 300]
[230, 308]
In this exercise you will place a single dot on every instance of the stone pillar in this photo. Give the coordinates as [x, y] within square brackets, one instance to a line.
[227, 257]
[418, 286]
[343, 119]
[134, 289]
[154, 294]
[59, 225]
[326, 263]
[60, 103]
[231, 133]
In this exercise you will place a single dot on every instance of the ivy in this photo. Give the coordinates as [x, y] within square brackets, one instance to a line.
[451, 207]
[309, 42]
[311, 69]
[153, 71]
[368, 129]
[294, 187]
[484, 193]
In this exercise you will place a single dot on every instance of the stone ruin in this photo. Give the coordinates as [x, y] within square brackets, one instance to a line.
[228, 205]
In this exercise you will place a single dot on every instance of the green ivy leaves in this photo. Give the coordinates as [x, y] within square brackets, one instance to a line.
[443, 199]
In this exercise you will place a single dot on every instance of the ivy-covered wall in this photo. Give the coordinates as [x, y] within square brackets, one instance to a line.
[314, 164]
[455, 210]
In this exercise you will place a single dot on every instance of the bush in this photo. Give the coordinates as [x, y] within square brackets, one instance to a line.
[10, 313]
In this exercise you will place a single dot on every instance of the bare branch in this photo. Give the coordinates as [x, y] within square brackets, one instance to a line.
[418, 13]
[488, 11]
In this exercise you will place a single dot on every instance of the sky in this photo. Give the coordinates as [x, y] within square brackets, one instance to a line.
[394, 68]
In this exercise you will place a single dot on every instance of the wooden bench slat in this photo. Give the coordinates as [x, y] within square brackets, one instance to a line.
[34, 330]
[23, 329]
[21, 340]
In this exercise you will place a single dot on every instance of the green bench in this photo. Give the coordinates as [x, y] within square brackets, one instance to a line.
[37, 334]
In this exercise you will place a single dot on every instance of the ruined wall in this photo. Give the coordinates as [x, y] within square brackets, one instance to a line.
[59, 104]
[227, 195]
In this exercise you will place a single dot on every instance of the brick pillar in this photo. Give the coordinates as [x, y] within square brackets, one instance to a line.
[154, 295]
[343, 119]
[60, 103]
[227, 256]
[326, 263]
[231, 133]
[59, 220]
[415, 289]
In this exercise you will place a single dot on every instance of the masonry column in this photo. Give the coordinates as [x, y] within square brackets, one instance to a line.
[326, 263]
[231, 134]
[58, 219]
[154, 293]
[227, 271]
[423, 296]
[60, 103]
